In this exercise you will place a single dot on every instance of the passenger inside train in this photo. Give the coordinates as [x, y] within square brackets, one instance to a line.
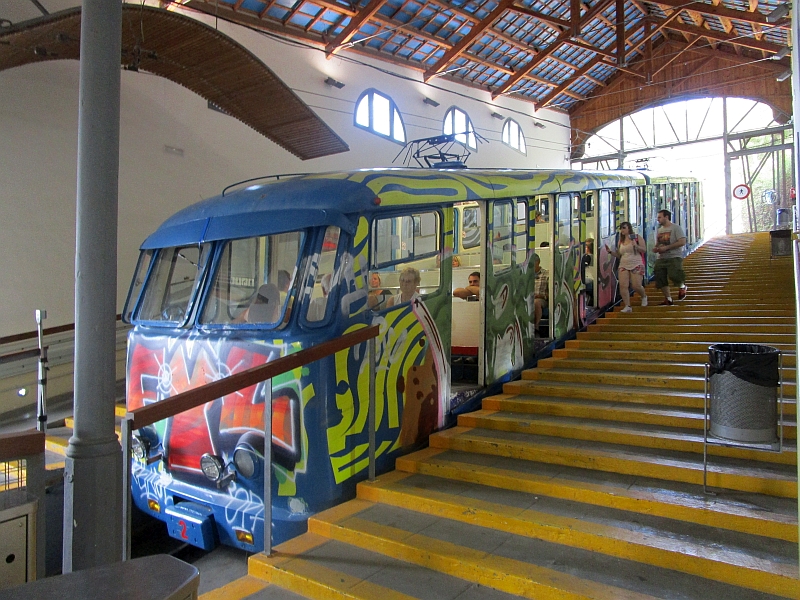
[472, 291]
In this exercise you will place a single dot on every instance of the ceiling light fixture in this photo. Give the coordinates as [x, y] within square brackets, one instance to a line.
[779, 12]
[539, 124]
[430, 102]
[497, 115]
[782, 53]
[785, 75]
[333, 83]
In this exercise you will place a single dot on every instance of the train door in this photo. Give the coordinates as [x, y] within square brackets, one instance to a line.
[543, 243]
[413, 349]
[566, 257]
[588, 261]
[507, 315]
[606, 231]
[468, 266]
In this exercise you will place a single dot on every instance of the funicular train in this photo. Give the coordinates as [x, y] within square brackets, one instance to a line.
[268, 269]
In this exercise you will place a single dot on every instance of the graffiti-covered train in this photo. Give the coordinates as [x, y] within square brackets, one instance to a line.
[269, 269]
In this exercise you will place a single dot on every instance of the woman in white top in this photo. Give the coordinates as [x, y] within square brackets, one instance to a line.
[409, 287]
[630, 251]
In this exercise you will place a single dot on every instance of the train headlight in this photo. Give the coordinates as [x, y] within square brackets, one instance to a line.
[245, 459]
[212, 466]
[140, 447]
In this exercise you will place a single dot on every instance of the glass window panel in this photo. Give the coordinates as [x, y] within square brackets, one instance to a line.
[521, 232]
[563, 218]
[324, 278]
[171, 286]
[471, 229]
[254, 280]
[381, 112]
[362, 112]
[398, 132]
[506, 132]
[501, 235]
[136, 285]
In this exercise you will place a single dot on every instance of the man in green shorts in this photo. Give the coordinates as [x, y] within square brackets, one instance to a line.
[670, 240]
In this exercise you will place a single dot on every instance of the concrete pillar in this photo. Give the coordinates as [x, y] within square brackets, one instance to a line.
[93, 473]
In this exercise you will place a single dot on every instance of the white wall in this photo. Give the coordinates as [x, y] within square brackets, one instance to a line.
[38, 120]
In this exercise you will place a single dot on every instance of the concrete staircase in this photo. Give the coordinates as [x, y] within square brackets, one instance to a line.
[584, 478]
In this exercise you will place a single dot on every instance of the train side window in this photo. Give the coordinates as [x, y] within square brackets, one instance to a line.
[318, 307]
[402, 241]
[253, 280]
[471, 228]
[607, 220]
[521, 232]
[142, 266]
[170, 291]
[502, 225]
[633, 206]
[564, 219]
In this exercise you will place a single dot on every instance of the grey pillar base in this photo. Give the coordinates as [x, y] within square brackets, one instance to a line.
[92, 525]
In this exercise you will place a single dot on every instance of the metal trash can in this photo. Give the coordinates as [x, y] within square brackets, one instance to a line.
[743, 386]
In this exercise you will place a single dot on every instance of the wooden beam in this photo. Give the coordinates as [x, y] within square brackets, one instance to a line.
[722, 11]
[575, 18]
[744, 41]
[467, 39]
[353, 26]
[675, 57]
[539, 58]
[620, 14]
[569, 81]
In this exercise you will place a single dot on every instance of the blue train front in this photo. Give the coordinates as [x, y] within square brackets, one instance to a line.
[236, 281]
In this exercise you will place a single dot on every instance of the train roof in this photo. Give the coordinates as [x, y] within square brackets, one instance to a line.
[328, 198]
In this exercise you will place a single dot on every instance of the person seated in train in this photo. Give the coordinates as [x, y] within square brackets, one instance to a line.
[316, 309]
[266, 305]
[472, 291]
[410, 279]
[377, 295]
[586, 261]
[284, 281]
[541, 291]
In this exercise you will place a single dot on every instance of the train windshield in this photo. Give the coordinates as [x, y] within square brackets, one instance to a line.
[174, 278]
[253, 279]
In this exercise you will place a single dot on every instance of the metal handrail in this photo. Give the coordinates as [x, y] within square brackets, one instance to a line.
[169, 407]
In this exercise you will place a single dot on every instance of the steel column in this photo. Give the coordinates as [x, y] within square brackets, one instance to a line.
[93, 471]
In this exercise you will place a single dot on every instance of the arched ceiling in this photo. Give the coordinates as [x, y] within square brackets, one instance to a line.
[193, 55]
[583, 57]
[562, 54]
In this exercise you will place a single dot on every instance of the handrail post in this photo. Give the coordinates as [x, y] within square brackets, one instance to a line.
[268, 467]
[371, 413]
[41, 395]
[126, 437]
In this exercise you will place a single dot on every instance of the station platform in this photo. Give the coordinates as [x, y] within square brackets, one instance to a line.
[583, 479]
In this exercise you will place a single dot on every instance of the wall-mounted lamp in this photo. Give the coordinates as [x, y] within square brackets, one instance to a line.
[782, 53]
[779, 12]
[332, 82]
[539, 124]
[785, 75]
[497, 115]
[430, 102]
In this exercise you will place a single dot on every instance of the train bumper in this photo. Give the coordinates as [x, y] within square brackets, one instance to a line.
[192, 523]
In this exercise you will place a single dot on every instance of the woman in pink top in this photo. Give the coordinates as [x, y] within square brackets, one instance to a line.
[630, 251]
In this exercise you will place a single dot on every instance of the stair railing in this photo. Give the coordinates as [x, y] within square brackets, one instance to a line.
[169, 407]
